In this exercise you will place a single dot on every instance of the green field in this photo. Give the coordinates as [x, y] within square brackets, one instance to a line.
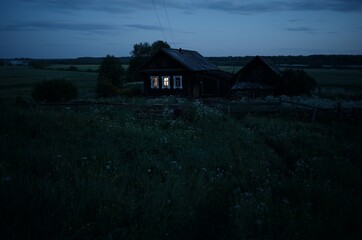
[100, 172]
[103, 173]
[325, 77]
[19, 80]
[79, 67]
[337, 77]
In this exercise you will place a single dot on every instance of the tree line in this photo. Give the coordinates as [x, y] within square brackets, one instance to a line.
[312, 61]
[112, 75]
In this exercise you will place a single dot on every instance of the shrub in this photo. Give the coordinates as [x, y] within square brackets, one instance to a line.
[131, 91]
[106, 89]
[57, 90]
[112, 71]
[110, 77]
[296, 82]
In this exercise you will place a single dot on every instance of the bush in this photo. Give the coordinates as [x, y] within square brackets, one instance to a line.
[110, 77]
[106, 89]
[58, 90]
[112, 71]
[296, 82]
[131, 91]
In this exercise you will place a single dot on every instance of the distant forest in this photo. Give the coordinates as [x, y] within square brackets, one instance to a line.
[303, 61]
[312, 61]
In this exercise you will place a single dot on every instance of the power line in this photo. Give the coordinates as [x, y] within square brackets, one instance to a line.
[159, 21]
[169, 25]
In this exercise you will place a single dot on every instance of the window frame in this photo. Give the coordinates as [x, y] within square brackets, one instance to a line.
[163, 82]
[174, 81]
[152, 82]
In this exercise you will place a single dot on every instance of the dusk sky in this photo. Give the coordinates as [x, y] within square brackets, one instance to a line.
[95, 28]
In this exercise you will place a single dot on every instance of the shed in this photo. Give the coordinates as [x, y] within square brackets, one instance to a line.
[183, 73]
[258, 78]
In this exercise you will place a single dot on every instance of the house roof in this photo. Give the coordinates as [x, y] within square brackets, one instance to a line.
[192, 60]
[269, 64]
[219, 74]
[246, 84]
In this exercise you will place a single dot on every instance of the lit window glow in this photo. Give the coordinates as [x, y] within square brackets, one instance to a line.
[166, 82]
[154, 82]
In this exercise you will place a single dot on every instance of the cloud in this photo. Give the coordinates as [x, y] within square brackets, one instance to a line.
[300, 29]
[258, 6]
[145, 27]
[232, 6]
[110, 6]
[56, 26]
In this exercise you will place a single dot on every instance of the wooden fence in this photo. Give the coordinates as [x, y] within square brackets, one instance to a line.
[143, 110]
[299, 109]
[229, 108]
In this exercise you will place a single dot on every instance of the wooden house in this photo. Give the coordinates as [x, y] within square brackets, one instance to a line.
[258, 78]
[183, 73]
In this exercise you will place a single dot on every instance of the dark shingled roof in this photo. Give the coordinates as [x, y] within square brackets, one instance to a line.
[270, 65]
[192, 60]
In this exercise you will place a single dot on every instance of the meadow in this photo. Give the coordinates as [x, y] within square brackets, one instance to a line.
[19, 80]
[100, 172]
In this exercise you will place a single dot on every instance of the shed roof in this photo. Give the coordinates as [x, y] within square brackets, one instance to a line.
[192, 60]
[269, 64]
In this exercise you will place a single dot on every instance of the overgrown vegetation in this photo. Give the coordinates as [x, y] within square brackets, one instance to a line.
[296, 82]
[110, 77]
[102, 173]
[139, 55]
[57, 90]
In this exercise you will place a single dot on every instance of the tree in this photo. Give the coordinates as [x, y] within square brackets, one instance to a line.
[112, 71]
[157, 45]
[141, 50]
[110, 77]
[140, 54]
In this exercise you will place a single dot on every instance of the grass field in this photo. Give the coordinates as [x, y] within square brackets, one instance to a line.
[102, 173]
[18, 80]
[99, 172]
[325, 77]
[337, 77]
[83, 68]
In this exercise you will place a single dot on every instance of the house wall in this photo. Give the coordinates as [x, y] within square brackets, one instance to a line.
[195, 84]
[187, 84]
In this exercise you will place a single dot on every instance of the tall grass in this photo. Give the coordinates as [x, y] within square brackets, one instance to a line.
[101, 173]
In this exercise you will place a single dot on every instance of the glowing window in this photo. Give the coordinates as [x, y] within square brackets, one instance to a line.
[177, 82]
[154, 82]
[165, 81]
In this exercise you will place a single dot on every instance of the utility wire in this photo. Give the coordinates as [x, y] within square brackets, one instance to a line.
[169, 24]
[159, 21]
